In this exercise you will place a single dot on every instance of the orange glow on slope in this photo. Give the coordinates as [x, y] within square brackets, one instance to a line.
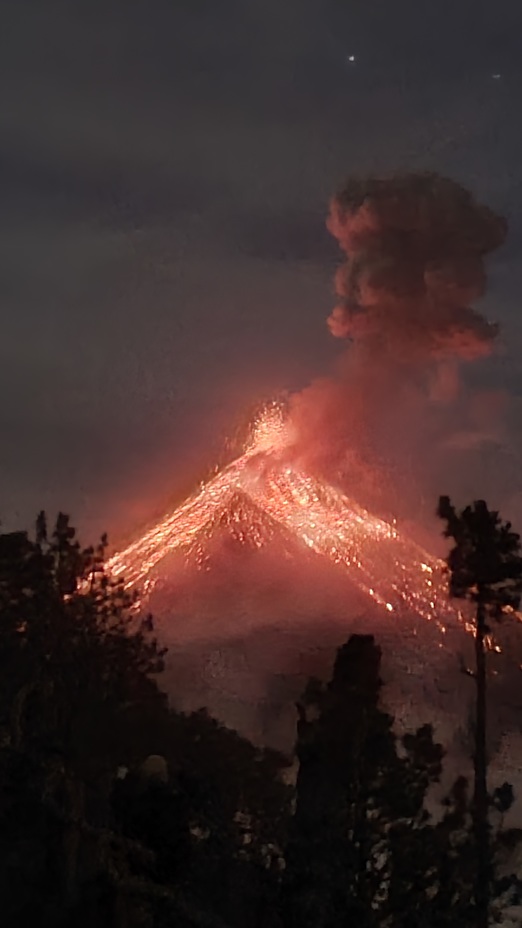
[388, 567]
[179, 529]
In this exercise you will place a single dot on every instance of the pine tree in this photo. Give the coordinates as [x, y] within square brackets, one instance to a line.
[239, 808]
[78, 700]
[77, 694]
[485, 567]
[359, 848]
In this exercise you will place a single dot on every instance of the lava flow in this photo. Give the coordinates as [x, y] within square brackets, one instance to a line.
[394, 571]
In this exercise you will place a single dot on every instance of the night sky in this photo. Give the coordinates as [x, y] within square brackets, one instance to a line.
[165, 170]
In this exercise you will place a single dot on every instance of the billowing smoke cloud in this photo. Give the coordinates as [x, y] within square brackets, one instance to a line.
[415, 248]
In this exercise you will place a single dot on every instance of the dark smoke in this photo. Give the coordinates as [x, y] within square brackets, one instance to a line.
[415, 248]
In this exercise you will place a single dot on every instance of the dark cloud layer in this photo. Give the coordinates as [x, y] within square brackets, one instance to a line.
[165, 173]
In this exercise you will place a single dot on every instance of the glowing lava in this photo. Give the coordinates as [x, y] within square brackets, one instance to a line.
[388, 567]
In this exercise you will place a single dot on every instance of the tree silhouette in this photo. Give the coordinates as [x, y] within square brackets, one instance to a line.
[360, 848]
[77, 690]
[239, 808]
[80, 842]
[90, 834]
[485, 567]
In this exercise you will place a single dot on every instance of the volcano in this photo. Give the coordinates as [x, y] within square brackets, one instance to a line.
[265, 570]
[261, 499]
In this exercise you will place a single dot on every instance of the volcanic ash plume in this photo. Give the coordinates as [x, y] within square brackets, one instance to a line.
[415, 246]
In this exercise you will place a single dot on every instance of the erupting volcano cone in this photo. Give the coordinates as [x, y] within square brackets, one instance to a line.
[261, 499]
[265, 570]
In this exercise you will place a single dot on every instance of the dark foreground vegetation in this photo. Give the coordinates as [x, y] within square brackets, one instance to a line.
[118, 812]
